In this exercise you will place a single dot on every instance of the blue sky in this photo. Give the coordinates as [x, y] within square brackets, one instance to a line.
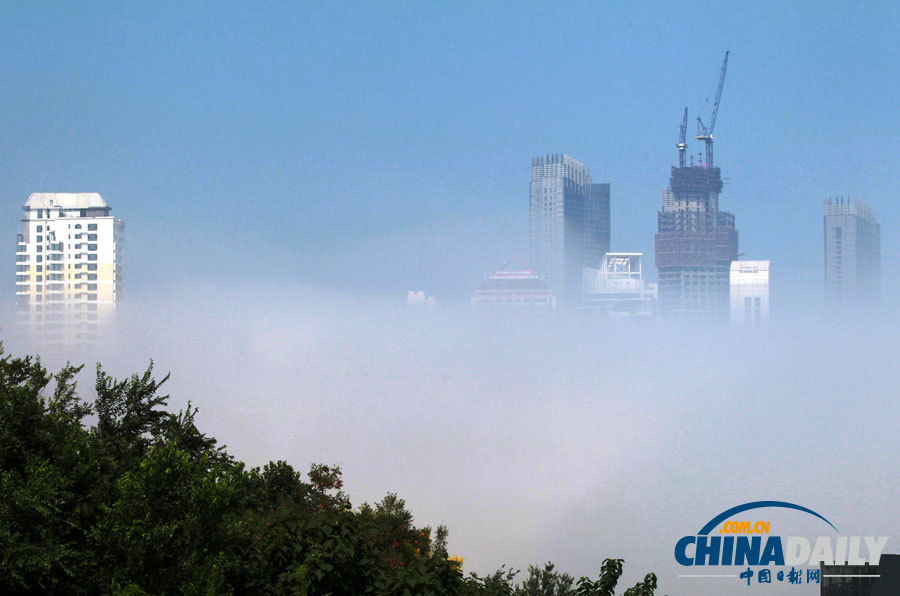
[384, 146]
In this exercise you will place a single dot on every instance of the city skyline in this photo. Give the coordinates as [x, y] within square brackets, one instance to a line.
[174, 135]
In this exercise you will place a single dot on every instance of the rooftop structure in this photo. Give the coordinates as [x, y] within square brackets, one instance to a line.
[514, 284]
[68, 201]
[617, 287]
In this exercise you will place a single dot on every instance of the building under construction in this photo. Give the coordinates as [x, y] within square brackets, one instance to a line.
[696, 242]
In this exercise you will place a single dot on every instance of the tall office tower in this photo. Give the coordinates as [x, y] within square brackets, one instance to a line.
[750, 293]
[69, 269]
[569, 223]
[852, 253]
[695, 246]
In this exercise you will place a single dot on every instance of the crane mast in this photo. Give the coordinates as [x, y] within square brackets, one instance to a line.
[682, 145]
[706, 134]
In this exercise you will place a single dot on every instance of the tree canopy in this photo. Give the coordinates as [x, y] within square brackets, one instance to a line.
[141, 502]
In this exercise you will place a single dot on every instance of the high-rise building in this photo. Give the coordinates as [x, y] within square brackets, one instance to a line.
[569, 223]
[617, 287]
[750, 293]
[70, 269]
[695, 241]
[852, 253]
[695, 246]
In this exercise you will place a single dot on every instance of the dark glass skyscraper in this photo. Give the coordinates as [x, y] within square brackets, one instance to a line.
[569, 223]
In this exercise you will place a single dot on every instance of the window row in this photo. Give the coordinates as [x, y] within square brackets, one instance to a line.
[57, 298]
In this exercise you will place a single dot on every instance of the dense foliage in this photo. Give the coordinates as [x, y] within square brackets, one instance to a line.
[143, 503]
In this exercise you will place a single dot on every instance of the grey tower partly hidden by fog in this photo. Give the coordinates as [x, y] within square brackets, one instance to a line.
[852, 254]
[695, 246]
[696, 242]
[569, 223]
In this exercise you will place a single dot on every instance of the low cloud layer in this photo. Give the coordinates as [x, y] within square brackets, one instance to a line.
[559, 438]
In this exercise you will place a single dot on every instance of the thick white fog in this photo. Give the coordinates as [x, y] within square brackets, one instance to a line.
[562, 438]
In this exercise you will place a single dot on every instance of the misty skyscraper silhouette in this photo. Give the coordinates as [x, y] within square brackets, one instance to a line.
[852, 254]
[569, 221]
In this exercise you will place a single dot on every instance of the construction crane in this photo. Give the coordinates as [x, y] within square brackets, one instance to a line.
[682, 145]
[706, 134]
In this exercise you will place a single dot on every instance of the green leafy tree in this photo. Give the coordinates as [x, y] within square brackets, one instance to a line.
[499, 583]
[605, 585]
[45, 476]
[169, 526]
[144, 503]
[546, 581]
[130, 413]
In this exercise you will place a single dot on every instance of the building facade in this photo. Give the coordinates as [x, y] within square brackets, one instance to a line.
[569, 222]
[852, 254]
[514, 284]
[695, 245]
[70, 272]
[617, 287]
[845, 579]
[750, 293]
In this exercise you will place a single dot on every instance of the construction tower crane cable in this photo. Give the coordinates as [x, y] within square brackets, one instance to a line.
[706, 134]
[682, 145]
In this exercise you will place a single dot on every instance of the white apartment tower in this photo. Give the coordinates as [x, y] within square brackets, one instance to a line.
[69, 269]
